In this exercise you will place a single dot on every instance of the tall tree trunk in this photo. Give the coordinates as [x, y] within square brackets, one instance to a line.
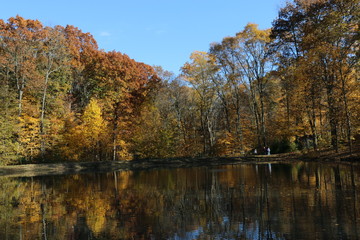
[114, 146]
[20, 84]
[333, 117]
[347, 112]
[203, 129]
[262, 122]
[239, 126]
[314, 128]
[21, 92]
[287, 99]
[255, 111]
[211, 135]
[312, 117]
[42, 114]
[115, 130]
[329, 80]
[260, 90]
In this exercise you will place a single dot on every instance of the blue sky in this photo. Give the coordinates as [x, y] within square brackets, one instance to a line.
[157, 32]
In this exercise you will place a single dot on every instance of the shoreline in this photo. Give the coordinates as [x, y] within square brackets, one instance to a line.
[50, 169]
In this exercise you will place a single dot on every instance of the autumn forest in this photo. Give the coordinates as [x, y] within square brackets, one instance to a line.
[292, 87]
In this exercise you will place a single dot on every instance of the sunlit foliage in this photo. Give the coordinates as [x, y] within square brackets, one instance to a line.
[292, 87]
[65, 98]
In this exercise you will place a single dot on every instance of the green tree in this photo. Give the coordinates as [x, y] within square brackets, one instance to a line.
[8, 125]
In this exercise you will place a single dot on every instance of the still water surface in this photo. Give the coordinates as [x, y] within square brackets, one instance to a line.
[248, 201]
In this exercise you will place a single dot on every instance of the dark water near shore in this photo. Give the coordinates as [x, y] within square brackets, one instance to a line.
[249, 201]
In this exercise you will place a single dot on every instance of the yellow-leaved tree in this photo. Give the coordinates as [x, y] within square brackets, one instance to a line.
[92, 124]
[85, 139]
[29, 138]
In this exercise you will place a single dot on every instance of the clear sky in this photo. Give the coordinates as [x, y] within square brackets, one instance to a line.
[156, 32]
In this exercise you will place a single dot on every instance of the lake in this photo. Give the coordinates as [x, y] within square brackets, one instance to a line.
[302, 200]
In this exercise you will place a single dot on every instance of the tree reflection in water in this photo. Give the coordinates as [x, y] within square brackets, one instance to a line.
[263, 201]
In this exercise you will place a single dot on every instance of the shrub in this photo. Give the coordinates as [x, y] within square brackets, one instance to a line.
[283, 146]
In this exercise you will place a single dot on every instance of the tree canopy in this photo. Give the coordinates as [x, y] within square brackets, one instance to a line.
[292, 87]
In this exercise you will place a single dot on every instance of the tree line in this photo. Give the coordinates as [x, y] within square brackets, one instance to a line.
[290, 87]
[62, 97]
[294, 86]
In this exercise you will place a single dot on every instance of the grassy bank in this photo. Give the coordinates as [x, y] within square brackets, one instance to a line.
[30, 170]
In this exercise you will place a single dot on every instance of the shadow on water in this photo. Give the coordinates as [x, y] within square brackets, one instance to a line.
[250, 201]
